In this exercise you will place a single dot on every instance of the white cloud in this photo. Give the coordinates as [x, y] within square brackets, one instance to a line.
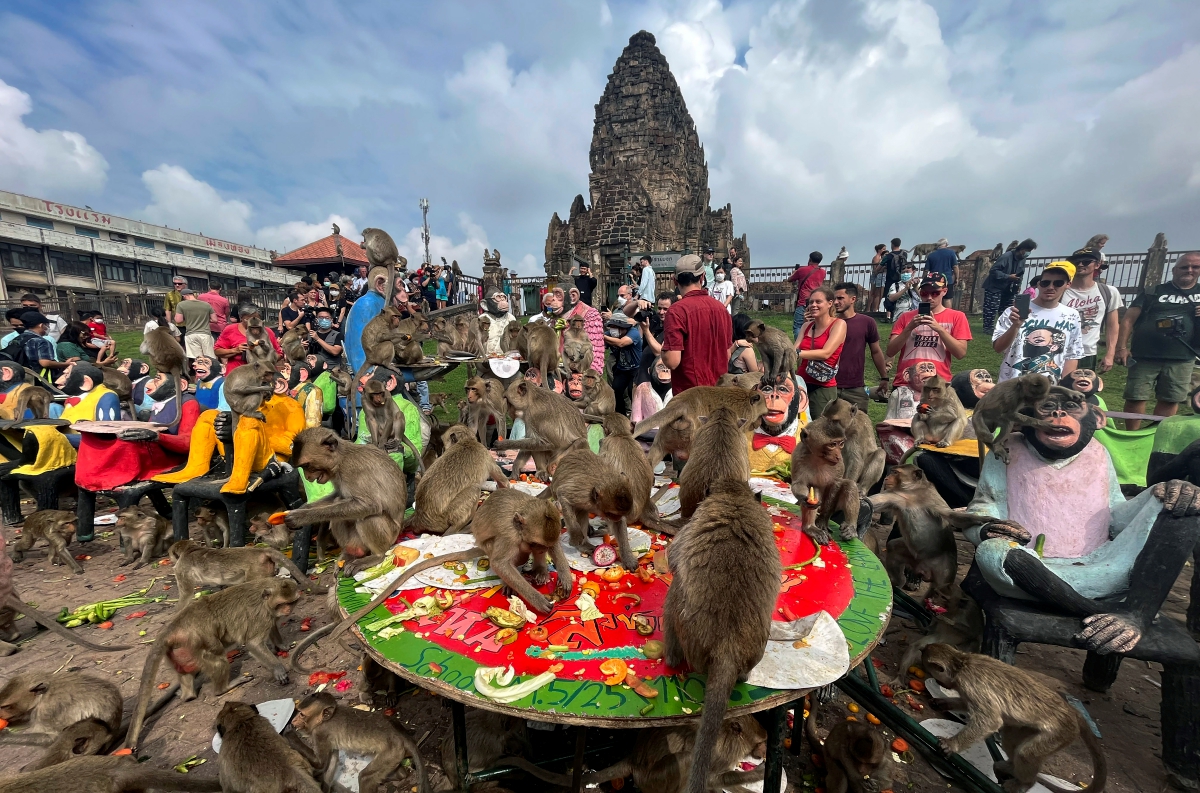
[605, 15]
[45, 162]
[182, 201]
[293, 234]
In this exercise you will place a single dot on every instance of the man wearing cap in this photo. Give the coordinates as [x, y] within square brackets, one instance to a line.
[697, 331]
[936, 337]
[706, 259]
[1050, 340]
[39, 350]
[1097, 305]
[195, 315]
[944, 261]
[1161, 323]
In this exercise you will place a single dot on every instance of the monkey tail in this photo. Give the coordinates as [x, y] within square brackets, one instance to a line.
[280, 559]
[50, 624]
[722, 677]
[140, 777]
[416, 454]
[810, 729]
[149, 670]
[338, 628]
[1099, 764]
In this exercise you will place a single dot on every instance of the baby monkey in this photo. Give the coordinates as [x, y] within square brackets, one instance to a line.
[1034, 722]
[854, 753]
[143, 536]
[332, 727]
[57, 528]
[1002, 408]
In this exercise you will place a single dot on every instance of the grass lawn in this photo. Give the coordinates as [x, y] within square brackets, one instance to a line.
[980, 355]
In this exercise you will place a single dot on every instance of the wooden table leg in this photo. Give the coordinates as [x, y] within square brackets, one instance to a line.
[776, 726]
[577, 768]
[458, 715]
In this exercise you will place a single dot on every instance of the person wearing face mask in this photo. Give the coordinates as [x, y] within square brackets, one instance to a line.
[324, 341]
[722, 291]
[903, 296]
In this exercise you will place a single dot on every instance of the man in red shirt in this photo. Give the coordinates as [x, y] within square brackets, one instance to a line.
[936, 337]
[220, 307]
[231, 345]
[697, 331]
[807, 278]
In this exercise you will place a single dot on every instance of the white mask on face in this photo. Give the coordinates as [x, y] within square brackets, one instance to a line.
[906, 277]
[720, 277]
[621, 300]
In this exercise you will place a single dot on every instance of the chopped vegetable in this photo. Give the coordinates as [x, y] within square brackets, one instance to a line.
[538, 633]
[653, 649]
[494, 683]
[643, 626]
[277, 518]
[437, 669]
[105, 626]
[122, 752]
[616, 669]
[306, 624]
[162, 686]
[119, 578]
[899, 745]
[324, 678]
[503, 618]
[506, 636]
[189, 764]
[457, 567]
[637, 599]
[871, 717]
[916, 671]
[916, 685]
[105, 609]
[641, 688]
[483, 565]
[886, 690]
[3, 723]
[137, 615]
[645, 712]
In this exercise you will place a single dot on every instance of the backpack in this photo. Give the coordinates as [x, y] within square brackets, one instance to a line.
[896, 260]
[15, 350]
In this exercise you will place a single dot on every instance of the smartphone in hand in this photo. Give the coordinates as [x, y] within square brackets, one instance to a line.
[924, 309]
[1022, 304]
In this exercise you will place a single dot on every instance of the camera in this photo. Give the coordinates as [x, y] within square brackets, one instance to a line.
[1171, 326]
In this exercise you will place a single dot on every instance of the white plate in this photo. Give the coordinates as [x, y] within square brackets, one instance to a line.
[639, 539]
[442, 578]
[277, 711]
[105, 520]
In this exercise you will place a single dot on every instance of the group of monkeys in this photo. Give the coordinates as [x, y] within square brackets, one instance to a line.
[705, 428]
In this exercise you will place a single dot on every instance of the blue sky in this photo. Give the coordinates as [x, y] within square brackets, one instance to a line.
[826, 122]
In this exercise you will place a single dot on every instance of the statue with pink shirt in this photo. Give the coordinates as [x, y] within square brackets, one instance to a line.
[1060, 492]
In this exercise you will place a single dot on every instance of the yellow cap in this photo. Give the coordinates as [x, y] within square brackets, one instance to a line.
[1065, 266]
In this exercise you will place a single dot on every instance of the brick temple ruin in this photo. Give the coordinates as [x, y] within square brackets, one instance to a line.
[649, 180]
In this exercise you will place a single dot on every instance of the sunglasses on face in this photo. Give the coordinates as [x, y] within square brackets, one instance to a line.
[930, 292]
[1056, 283]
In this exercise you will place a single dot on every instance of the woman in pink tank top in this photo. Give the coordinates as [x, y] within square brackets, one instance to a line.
[819, 347]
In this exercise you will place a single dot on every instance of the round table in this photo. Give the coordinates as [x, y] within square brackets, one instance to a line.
[441, 654]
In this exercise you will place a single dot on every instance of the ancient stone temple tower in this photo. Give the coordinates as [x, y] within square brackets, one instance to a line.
[649, 180]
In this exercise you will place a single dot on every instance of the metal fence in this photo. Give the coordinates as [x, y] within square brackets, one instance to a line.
[133, 310]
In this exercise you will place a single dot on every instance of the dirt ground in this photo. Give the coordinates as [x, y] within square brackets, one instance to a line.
[1127, 715]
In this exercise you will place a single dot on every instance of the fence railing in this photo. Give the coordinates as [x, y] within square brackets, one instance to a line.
[133, 310]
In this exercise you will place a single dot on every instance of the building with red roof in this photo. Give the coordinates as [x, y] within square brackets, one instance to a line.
[333, 255]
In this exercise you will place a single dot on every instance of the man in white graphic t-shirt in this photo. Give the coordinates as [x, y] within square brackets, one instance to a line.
[1097, 305]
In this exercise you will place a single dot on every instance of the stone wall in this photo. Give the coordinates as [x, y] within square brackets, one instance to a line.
[649, 179]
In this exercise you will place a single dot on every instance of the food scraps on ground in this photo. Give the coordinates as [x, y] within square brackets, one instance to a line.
[323, 678]
[614, 573]
[503, 618]
[538, 633]
[616, 669]
[306, 624]
[505, 636]
[899, 745]
[917, 685]
[639, 687]
[105, 609]
[653, 649]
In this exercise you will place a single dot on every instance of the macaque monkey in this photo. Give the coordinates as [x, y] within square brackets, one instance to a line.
[104, 775]
[214, 525]
[119, 383]
[439, 331]
[862, 456]
[382, 338]
[577, 347]
[380, 248]
[727, 643]
[747, 380]
[256, 759]
[258, 344]
[485, 399]
[598, 397]
[81, 739]
[448, 492]
[1034, 722]
[625, 455]
[552, 424]
[776, 348]
[142, 536]
[57, 528]
[940, 418]
[197, 637]
[926, 542]
[409, 351]
[385, 420]
[586, 484]
[277, 536]
[855, 755]
[482, 330]
[248, 386]
[292, 342]
[719, 452]
[960, 627]
[166, 355]
[702, 401]
[54, 702]
[508, 339]
[1002, 408]
[509, 527]
[196, 566]
[673, 438]
[817, 463]
[538, 343]
[332, 727]
[661, 760]
[366, 508]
